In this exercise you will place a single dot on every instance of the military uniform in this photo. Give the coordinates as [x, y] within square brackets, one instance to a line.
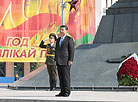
[51, 67]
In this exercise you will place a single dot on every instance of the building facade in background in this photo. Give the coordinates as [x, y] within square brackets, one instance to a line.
[24, 23]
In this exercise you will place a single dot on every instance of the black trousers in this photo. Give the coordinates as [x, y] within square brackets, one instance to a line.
[64, 78]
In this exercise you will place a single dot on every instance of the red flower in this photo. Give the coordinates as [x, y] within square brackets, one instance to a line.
[129, 67]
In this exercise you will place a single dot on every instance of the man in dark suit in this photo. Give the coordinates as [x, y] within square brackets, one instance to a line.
[64, 57]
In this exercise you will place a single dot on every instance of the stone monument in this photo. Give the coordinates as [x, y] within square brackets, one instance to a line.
[120, 23]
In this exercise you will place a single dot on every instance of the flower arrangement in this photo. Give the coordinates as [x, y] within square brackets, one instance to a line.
[127, 75]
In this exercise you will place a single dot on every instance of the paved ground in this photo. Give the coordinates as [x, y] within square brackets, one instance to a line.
[31, 95]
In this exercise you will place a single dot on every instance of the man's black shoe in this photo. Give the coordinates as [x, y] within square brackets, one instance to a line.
[66, 95]
[59, 95]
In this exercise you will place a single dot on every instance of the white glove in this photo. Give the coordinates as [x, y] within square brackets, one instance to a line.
[56, 36]
[45, 39]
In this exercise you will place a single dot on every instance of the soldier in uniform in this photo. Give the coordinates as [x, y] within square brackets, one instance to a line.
[51, 67]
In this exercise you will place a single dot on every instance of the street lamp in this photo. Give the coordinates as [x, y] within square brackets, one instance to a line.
[72, 3]
[63, 12]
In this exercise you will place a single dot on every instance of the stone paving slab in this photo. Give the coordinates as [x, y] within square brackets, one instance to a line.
[8, 95]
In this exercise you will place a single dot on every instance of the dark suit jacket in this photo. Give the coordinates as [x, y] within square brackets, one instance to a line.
[64, 53]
